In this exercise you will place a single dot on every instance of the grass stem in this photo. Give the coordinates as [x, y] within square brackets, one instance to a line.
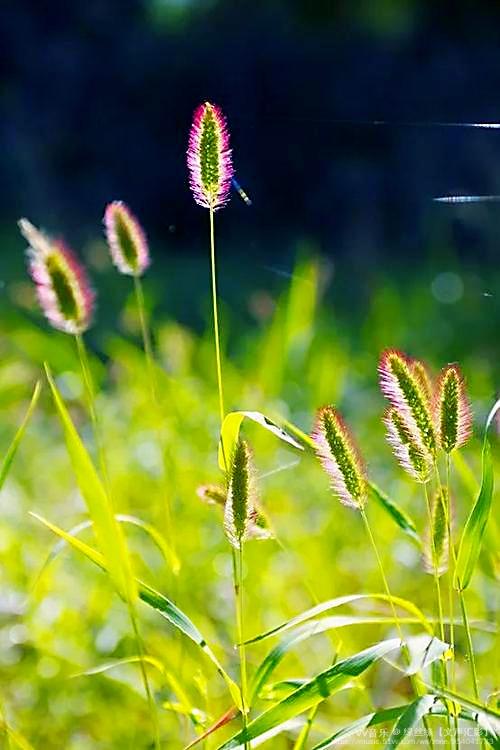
[216, 316]
[404, 649]
[238, 592]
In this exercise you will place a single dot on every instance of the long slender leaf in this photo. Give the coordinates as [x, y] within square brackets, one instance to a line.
[12, 449]
[305, 631]
[359, 725]
[323, 607]
[389, 714]
[154, 599]
[396, 513]
[313, 692]
[473, 533]
[148, 528]
[109, 535]
[410, 716]
[231, 429]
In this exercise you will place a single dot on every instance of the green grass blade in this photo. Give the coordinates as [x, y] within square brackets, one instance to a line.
[231, 429]
[486, 717]
[396, 513]
[359, 725]
[109, 535]
[323, 607]
[154, 534]
[154, 599]
[474, 530]
[12, 449]
[314, 691]
[410, 716]
[389, 714]
[302, 633]
[110, 665]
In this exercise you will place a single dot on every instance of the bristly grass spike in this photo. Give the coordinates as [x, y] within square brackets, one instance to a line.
[126, 239]
[404, 388]
[63, 289]
[408, 450]
[209, 157]
[339, 457]
[239, 507]
[452, 408]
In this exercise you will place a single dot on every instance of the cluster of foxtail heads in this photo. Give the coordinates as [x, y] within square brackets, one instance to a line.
[423, 417]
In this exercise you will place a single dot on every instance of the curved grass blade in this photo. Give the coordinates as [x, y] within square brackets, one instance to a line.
[155, 536]
[475, 526]
[389, 714]
[302, 633]
[109, 536]
[410, 716]
[108, 666]
[323, 607]
[154, 599]
[484, 716]
[398, 515]
[230, 432]
[167, 552]
[359, 725]
[313, 692]
[12, 449]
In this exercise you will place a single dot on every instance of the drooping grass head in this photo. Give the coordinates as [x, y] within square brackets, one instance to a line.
[339, 457]
[209, 157]
[126, 239]
[63, 289]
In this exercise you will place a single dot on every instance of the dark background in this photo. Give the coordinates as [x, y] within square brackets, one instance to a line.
[96, 98]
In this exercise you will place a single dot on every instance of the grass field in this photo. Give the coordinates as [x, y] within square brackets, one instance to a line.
[291, 342]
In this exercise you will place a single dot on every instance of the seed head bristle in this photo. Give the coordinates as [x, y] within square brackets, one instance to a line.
[435, 558]
[339, 457]
[239, 507]
[209, 157]
[401, 383]
[422, 375]
[63, 289]
[126, 239]
[405, 443]
[452, 408]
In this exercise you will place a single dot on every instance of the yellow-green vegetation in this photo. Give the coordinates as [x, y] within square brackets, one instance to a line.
[324, 656]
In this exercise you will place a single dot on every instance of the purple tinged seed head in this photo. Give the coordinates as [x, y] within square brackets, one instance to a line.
[339, 457]
[63, 289]
[126, 239]
[404, 383]
[209, 157]
[410, 453]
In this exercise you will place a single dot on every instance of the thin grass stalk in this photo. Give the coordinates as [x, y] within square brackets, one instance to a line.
[90, 393]
[451, 570]
[461, 599]
[440, 607]
[216, 316]
[146, 334]
[238, 595]
[385, 583]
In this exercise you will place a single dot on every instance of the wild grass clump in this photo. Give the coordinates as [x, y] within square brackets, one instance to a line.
[399, 653]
